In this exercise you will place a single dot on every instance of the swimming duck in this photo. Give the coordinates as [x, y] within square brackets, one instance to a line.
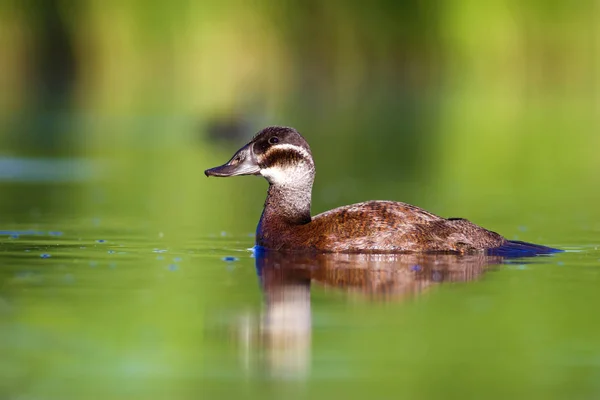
[283, 157]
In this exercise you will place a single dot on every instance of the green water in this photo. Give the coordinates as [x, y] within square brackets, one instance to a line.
[109, 290]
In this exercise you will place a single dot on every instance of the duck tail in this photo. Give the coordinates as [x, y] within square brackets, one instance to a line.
[515, 248]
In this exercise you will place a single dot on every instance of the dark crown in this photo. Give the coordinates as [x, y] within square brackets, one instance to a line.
[280, 146]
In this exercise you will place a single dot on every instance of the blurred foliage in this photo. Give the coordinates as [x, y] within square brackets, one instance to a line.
[461, 106]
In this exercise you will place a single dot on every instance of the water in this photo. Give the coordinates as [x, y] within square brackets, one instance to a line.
[109, 293]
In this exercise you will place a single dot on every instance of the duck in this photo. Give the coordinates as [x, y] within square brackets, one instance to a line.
[283, 157]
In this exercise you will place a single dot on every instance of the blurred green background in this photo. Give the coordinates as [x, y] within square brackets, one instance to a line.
[111, 110]
[464, 107]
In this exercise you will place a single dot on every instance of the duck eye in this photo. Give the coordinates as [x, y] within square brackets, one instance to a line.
[273, 140]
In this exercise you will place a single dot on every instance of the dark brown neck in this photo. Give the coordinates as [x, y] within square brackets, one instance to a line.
[289, 205]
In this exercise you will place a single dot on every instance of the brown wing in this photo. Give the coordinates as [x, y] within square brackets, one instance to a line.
[386, 226]
[391, 211]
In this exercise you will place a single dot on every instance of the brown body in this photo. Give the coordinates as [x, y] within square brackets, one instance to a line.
[284, 158]
[374, 226]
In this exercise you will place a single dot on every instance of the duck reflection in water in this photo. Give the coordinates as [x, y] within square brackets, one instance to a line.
[286, 278]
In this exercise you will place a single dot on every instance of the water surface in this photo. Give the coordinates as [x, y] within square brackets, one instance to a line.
[102, 299]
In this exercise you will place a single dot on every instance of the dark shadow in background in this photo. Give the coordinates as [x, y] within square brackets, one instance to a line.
[42, 126]
[39, 132]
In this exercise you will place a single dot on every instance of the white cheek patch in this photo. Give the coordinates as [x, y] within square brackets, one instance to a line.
[298, 175]
[274, 174]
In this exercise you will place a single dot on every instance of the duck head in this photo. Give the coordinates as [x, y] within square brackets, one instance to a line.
[280, 154]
